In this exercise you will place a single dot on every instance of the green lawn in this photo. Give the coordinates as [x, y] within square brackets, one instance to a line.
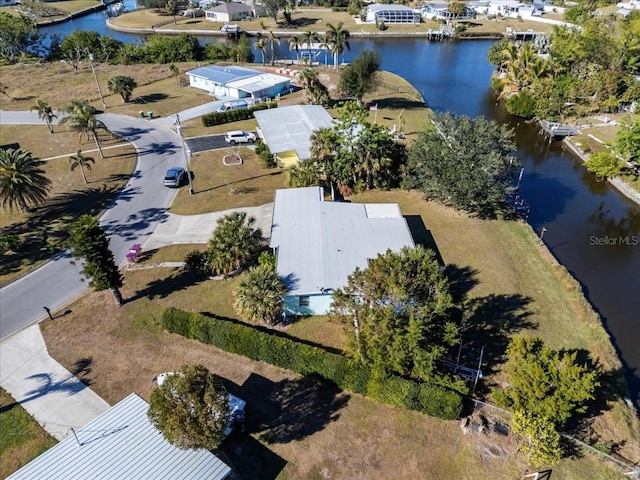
[21, 438]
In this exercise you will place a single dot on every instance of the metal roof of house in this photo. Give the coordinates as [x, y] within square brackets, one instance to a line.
[290, 128]
[258, 83]
[230, 7]
[321, 243]
[122, 443]
[378, 7]
[223, 75]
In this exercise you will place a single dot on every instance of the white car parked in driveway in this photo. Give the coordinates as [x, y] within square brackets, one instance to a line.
[239, 136]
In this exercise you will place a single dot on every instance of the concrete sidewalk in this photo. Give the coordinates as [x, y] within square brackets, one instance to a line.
[184, 229]
[55, 398]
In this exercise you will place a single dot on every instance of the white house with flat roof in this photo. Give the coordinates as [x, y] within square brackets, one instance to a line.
[122, 443]
[238, 82]
[287, 130]
[319, 243]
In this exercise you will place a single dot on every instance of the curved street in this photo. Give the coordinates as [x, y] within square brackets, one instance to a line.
[141, 205]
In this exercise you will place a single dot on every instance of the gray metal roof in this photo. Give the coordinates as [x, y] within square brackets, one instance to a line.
[290, 128]
[122, 444]
[231, 7]
[321, 243]
[223, 75]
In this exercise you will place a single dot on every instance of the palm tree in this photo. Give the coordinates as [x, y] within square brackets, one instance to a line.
[308, 77]
[22, 181]
[262, 46]
[81, 119]
[175, 72]
[294, 44]
[45, 112]
[325, 45]
[309, 37]
[122, 85]
[338, 40]
[273, 40]
[324, 144]
[304, 174]
[79, 160]
[260, 295]
[234, 242]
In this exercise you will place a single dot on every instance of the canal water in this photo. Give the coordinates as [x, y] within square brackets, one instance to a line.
[591, 228]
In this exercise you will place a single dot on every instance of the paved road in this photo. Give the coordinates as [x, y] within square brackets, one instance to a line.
[142, 204]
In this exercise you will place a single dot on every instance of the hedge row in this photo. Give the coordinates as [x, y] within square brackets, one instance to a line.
[219, 118]
[309, 360]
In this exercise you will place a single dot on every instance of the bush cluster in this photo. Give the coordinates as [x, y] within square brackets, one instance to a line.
[219, 118]
[309, 360]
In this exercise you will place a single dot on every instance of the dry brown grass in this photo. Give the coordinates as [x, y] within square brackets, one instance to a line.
[41, 231]
[56, 84]
[220, 187]
[306, 431]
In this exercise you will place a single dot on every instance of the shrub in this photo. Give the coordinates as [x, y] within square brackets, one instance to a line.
[309, 360]
[197, 262]
[521, 105]
[220, 118]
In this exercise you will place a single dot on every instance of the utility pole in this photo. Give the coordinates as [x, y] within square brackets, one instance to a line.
[186, 152]
[93, 69]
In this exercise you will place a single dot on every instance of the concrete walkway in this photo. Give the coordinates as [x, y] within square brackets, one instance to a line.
[184, 229]
[54, 397]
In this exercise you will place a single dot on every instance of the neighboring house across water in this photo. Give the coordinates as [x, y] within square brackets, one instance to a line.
[318, 243]
[238, 82]
[229, 12]
[122, 443]
[391, 13]
[287, 131]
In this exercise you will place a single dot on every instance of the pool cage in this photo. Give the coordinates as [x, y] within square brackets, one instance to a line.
[392, 14]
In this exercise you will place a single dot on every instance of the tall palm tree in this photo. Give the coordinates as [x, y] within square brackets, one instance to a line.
[324, 144]
[80, 161]
[175, 72]
[262, 46]
[309, 37]
[82, 120]
[295, 42]
[22, 181]
[273, 40]
[45, 112]
[325, 44]
[308, 77]
[338, 40]
[304, 174]
[260, 295]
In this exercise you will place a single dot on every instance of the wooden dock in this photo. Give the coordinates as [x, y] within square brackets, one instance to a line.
[525, 35]
[557, 130]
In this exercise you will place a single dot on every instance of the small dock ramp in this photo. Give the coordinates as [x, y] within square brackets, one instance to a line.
[557, 130]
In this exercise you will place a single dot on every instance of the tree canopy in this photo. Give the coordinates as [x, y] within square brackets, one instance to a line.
[89, 242]
[260, 295]
[233, 243]
[122, 85]
[23, 183]
[360, 76]
[544, 382]
[466, 163]
[191, 408]
[17, 35]
[397, 313]
[583, 71]
[628, 141]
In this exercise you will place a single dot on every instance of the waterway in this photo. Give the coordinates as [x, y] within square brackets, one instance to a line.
[590, 227]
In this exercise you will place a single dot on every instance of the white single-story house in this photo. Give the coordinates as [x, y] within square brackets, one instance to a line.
[119, 444]
[319, 243]
[238, 82]
[287, 130]
[440, 11]
[229, 12]
[391, 13]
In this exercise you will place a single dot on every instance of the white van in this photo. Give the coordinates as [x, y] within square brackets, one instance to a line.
[233, 105]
